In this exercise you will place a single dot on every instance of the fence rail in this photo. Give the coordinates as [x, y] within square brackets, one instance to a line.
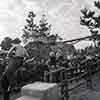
[64, 77]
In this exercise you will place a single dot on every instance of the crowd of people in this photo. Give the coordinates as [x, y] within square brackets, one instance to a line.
[17, 60]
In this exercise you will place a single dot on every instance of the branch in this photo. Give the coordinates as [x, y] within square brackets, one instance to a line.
[97, 4]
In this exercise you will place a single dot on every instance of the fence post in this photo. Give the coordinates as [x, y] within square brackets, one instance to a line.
[51, 77]
[46, 74]
[64, 86]
[99, 68]
[66, 91]
[88, 77]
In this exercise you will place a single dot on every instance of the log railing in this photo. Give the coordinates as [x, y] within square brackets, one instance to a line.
[65, 76]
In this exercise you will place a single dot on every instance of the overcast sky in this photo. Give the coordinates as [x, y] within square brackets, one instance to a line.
[64, 15]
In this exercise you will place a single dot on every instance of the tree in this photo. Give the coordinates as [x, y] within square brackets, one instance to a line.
[39, 33]
[90, 20]
[29, 27]
[44, 26]
[53, 38]
[6, 43]
[33, 31]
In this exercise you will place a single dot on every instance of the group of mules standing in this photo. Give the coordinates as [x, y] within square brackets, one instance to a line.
[18, 70]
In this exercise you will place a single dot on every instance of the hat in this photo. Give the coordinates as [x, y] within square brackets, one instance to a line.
[88, 57]
[51, 54]
[16, 41]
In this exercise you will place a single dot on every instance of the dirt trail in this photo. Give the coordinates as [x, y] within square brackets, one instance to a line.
[83, 93]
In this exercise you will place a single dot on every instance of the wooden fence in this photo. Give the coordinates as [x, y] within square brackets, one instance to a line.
[64, 77]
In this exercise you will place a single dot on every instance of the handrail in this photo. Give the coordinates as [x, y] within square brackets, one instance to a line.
[75, 74]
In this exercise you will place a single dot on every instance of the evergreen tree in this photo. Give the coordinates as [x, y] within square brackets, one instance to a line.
[90, 20]
[44, 26]
[29, 27]
[45, 29]
[32, 30]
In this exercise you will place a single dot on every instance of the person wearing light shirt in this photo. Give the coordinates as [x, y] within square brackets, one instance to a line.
[16, 56]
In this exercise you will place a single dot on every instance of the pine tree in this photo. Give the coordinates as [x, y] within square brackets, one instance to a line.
[90, 20]
[30, 27]
[45, 29]
[33, 31]
[44, 26]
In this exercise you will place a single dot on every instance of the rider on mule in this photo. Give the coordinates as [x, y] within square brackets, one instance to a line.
[16, 57]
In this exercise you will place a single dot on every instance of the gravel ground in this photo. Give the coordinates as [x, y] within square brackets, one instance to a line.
[13, 96]
[80, 93]
[83, 93]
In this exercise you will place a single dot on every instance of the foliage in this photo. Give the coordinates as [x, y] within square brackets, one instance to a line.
[34, 31]
[40, 34]
[29, 27]
[6, 43]
[44, 26]
[90, 20]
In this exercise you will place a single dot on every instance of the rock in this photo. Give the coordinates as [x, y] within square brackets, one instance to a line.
[44, 91]
[27, 98]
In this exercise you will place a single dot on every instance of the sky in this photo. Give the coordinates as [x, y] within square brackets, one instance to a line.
[60, 13]
[64, 15]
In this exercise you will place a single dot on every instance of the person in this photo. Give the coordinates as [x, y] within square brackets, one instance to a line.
[16, 56]
[52, 58]
[59, 57]
[89, 65]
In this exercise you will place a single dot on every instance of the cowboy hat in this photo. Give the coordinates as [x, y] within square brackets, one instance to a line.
[16, 41]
